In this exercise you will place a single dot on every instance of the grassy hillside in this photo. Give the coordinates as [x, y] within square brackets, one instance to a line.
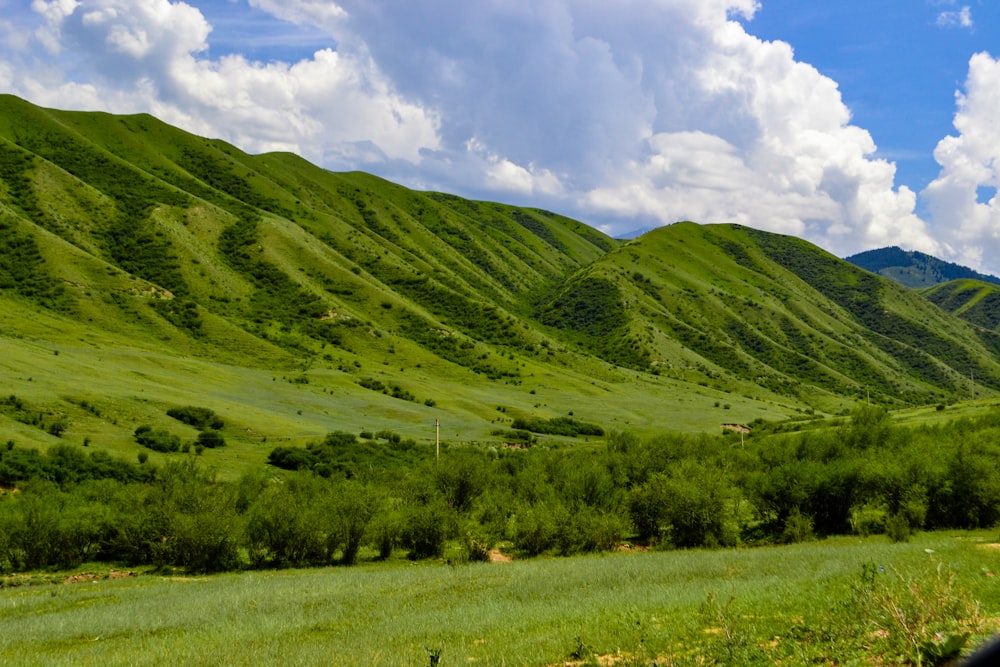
[974, 301]
[144, 268]
[750, 312]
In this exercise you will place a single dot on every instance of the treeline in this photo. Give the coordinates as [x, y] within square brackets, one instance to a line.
[348, 500]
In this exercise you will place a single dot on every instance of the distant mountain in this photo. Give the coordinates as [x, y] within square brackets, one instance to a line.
[633, 234]
[148, 256]
[914, 269]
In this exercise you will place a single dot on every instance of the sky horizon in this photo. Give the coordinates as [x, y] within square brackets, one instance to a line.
[855, 126]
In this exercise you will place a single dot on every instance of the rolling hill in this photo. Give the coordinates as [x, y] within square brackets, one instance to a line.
[143, 268]
[974, 301]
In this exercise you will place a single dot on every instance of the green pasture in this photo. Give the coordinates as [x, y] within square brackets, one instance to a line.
[103, 388]
[820, 602]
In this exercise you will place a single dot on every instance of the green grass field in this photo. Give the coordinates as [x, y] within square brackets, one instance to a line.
[129, 386]
[810, 603]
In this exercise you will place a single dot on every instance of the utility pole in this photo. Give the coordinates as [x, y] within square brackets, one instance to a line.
[437, 440]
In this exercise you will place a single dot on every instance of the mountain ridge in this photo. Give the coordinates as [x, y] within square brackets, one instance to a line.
[123, 233]
[915, 269]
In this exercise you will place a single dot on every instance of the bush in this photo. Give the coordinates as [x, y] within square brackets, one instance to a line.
[280, 531]
[684, 509]
[424, 531]
[200, 418]
[203, 535]
[158, 440]
[291, 458]
[535, 529]
[798, 528]
[211, 439]
[385, 532]
[476, 547]
[350, 508]
[557, 426]
[897, 528]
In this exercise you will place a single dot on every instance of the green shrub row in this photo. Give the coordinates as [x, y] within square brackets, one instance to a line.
[557, 426]
[341, 496]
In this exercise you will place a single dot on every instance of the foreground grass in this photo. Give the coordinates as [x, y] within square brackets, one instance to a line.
[791, 605]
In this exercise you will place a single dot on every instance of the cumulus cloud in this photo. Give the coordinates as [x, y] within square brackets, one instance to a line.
[150, 55]
[622, 114]
[641, 111]
[962, 200]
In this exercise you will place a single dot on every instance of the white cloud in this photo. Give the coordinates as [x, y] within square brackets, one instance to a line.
[956, 19]
[149, 55]
[962, 200]
[321, 13]
[653, 110]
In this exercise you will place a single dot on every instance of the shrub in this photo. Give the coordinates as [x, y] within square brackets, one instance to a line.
[534, 529]
[200, 418]
[349, 508]
[373, 384]
[424, 531]
[158, 440]
[798, 528]
[557, 426]
[202, 521]
[280, 530]
[211, 439]
[897, 528]
[476, 547]
[685, 509]
[385, 532]
[291, 458]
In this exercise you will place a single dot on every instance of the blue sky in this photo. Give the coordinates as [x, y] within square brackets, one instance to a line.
[855, 124]
[898, 65]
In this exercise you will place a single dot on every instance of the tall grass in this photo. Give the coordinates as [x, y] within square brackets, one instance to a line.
[794, 604]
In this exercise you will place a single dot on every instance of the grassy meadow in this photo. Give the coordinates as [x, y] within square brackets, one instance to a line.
[125, 385]
[842, 600]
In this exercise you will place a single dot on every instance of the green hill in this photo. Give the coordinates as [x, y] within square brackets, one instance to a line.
[736, 305]
[143, 268]
[975, 301]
